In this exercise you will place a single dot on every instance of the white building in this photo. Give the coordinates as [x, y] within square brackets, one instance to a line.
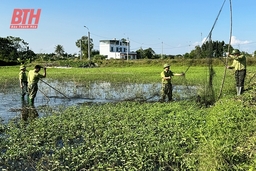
[116, 49]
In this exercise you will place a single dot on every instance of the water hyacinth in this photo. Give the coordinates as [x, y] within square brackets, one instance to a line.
[132, 134]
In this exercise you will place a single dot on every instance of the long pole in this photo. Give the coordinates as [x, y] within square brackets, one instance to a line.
[226, 62]
[55, 89]
[48, 99]
[162, 51]
[81, 49]
[89, 48]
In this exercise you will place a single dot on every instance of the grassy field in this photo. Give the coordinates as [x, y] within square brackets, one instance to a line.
[182, 135]
[195, 75]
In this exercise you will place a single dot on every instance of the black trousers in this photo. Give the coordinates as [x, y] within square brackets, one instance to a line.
[240, 77]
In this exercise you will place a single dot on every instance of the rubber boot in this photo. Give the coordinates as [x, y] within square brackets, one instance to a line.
[31, 102]
[27, 97]
[238, 90]
[242, 90]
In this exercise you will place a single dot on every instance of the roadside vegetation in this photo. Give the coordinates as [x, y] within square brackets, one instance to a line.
[130, 135]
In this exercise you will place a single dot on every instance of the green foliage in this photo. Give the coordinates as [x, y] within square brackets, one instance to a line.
[119, 136]
[82, 44]
[136, 136]
[228, 136]
[146, 54]
[59, 50]
[211, 49]
[8, 52]
[14, 49]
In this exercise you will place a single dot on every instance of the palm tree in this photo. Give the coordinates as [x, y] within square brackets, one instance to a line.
[84, 43]
[59, 50]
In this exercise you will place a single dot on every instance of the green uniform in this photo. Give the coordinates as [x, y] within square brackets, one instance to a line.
[239, 64]
[166, 85]
[24, 82]
[33, 78]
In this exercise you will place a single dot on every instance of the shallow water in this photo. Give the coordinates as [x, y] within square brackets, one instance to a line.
[54, 96]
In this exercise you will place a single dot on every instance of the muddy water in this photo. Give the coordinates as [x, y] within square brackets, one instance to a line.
[54, 96]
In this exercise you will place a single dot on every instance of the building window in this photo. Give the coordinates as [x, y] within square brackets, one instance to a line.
[111, 49]
[124, 49]
[116, 49]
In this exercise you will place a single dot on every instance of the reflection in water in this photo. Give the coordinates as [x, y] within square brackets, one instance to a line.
[95, 92]
[27, 113]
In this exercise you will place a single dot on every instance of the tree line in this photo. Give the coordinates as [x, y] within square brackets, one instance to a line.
[16, 50]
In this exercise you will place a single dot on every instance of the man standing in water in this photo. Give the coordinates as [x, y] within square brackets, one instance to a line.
[166, 76]
[23, 81]
[239, 64]
[33, 78]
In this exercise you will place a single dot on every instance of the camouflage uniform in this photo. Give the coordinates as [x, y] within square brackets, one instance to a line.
[23, 81]
[33, 78]
[166, 85]
[239, 64]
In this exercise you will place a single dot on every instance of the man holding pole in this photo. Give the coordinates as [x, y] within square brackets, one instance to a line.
[33, 78]
[166, 76]
[239, 64]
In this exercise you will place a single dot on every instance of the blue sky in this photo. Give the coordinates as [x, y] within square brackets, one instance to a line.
[166, 26]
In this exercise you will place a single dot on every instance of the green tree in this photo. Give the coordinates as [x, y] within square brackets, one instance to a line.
[13, 49]
[196, 53]
[140, 54]
[149, 53]
[7, 50]
[59, 50]
[18, 43]
[214, 49]
[83, 44]
[21, 47]
[95, 52]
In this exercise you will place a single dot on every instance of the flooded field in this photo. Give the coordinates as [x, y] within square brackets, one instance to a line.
[56, 96]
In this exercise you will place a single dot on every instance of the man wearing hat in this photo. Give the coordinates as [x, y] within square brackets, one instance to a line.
[23, 81]
[166, 76]
[33, 78]
[239, 64]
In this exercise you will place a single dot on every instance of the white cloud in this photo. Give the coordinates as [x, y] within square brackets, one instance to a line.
[235, 41]
[200, 43]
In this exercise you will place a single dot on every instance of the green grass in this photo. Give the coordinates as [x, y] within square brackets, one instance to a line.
[182, 135]
[196, 75]
[136, 136]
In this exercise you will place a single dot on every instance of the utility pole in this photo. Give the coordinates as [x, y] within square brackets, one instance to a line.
[115, 48]
[89, 53]
[127, 48]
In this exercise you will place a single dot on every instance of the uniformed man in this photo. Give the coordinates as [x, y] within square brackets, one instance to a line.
[239, 64]
[23, 81]
[33, 78]
[166, 76]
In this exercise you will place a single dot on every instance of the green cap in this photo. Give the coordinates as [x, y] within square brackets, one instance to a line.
[235, 51]
[166, 65]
